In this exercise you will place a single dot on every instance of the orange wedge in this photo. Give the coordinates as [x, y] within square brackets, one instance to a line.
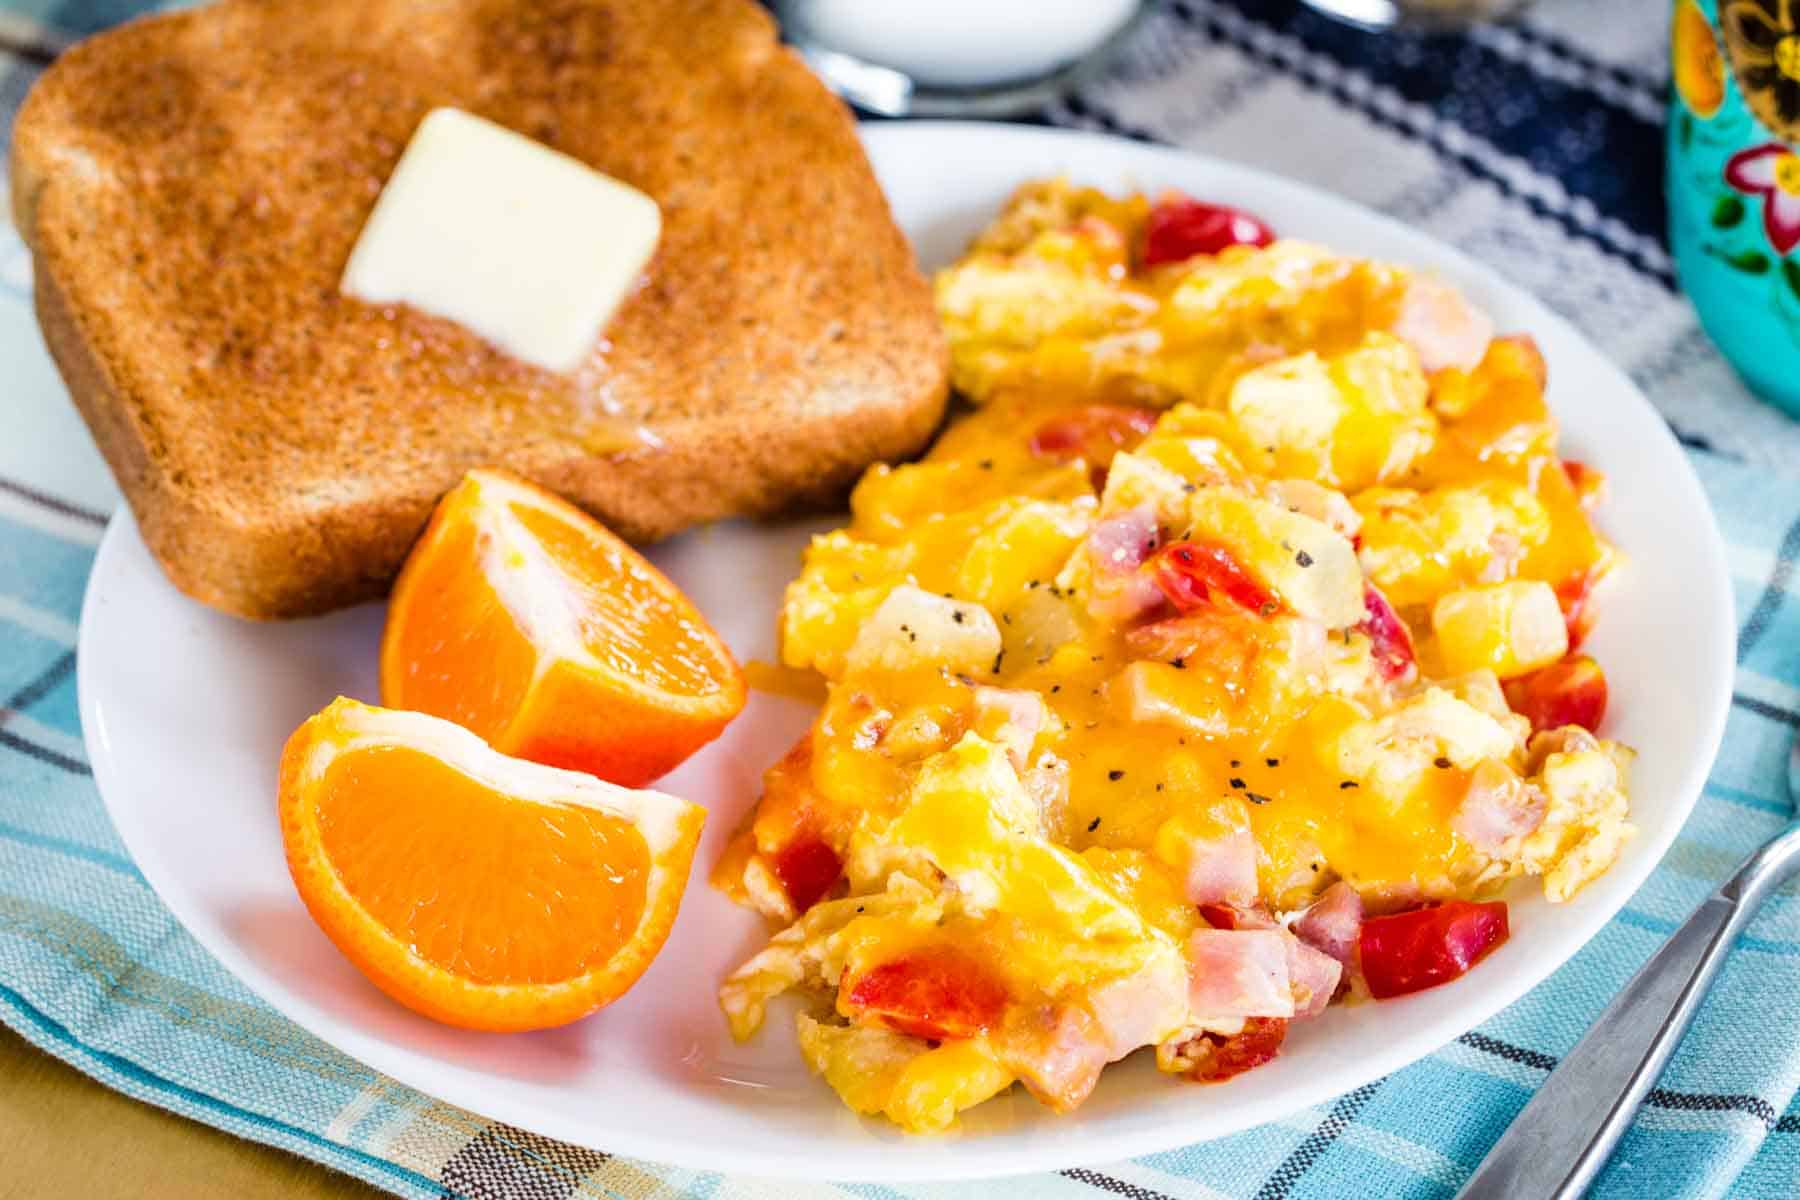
[520, 617]
[480, 890]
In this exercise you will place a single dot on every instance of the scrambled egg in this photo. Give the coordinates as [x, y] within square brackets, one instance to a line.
[1207, 604]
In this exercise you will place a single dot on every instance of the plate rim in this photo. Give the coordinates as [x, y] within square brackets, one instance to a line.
[890, 1163]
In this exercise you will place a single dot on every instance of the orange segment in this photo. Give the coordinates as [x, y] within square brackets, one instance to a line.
[523, 619]
[477, 889]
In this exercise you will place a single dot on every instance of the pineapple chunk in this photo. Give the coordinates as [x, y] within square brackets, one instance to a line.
[1419, 545]
[1310, 565]
[912, 627]
[1134, 481]
[1352, 420]
[1024, 541]
[1289, 407]
[1511, 628]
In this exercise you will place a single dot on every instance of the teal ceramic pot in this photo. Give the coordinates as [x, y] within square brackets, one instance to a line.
[1734, 182]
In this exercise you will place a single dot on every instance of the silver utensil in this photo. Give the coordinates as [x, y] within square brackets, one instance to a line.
[1563, 1137]
[1419, 14]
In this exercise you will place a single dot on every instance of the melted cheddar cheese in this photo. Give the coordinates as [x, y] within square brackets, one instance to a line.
[1050, 740]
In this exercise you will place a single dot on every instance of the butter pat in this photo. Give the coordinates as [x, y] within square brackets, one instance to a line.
[525, 246]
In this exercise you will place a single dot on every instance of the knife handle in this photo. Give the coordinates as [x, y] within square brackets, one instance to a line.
[1562, 1138]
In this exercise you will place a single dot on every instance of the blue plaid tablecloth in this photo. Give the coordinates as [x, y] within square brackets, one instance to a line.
[1536, 147]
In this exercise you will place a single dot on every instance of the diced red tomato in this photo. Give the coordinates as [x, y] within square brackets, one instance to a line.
[1180, 227]
[1230, 916]
[807, 868]
[1588, 483]
[1411, 951]
[936, 993]
[1219, 916]
[1390, 641]
[1575, 594]
[1095, 432]
[1219, 1058]
[1570, 692]
[1190, 573]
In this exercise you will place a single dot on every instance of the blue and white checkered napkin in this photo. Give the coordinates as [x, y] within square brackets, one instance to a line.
[1536, 148]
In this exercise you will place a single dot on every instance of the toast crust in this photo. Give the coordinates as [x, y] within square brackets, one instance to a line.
[191, 184]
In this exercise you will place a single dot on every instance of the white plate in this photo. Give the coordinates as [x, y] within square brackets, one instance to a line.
[185, 711]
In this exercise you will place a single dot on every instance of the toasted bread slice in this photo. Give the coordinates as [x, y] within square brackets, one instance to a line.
[191, 186]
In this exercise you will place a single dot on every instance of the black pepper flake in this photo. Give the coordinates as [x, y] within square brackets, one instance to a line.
[1093, 824]
[1115, 775]
[1348, 783]
[1180, 664]
[1006, 618]
[986, 464]
[1236, 763]
[1236, 782]
[1033, 584]
[859, 908]
[1189, 488]
[998, 658]
[1256, 797]
[1303, 558]
[1159, 787]
[956, 614]
[1273, 762]
[1270, 609]
[1442, 764]
[1315, 867]
[1055, 688]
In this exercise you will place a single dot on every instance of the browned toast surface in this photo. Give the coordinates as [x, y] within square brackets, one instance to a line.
[191, 186]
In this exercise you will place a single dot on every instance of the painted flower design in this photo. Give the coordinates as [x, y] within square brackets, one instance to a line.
[1763, 39]
[1771, 171]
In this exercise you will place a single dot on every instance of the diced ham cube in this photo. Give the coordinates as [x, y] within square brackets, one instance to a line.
[1445, 329]
[1313, 977]
[1390, 641]
[1140, 1009]
[1119, 590]
[1057, 1054]
[1333, 921]
[1011, 718]
[1238, 973]
[1213, 852]
[1122, 543]
[1497, 808]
